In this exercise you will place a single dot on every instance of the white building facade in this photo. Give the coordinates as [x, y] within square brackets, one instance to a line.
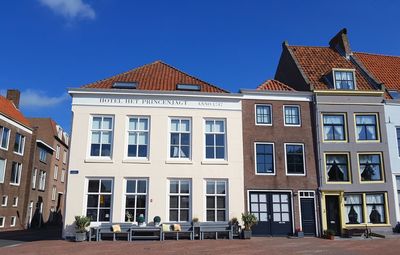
[392, 119]
[177, 155]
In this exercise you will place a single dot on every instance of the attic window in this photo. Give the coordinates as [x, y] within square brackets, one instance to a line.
[124, 85]
[395, 94]
[190, 87]
[344, 79]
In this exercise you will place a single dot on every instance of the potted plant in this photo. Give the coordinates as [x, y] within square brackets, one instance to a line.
[140, 220]
[81, 226]
[248, 220]
[157, 221]
[299, 232]
[129, 216]
[329, 234]
[195, 222]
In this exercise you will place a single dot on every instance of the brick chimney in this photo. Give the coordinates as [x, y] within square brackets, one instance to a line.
[340, 43]
[14, 95]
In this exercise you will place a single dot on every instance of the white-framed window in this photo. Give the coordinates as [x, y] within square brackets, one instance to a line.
[264, 158]
[367, 127]
[4, 200]
[99, 199]
[215, 139]
[19, 144]
[2, 221]
[42, 180]
[354, 208]
[216, 200]
[65, 157]
[138, 137]
[53, 193]
[34, 177]
[101, 136]
[15, 202]
[344, 79]
[263, 114]
[3, 163]
[63, 175]
[58, 152]
[55, 174]
[42, 155]
[334, 126]
[4, 137]
[292, 115]
[180, 138]
[135, 199]
[13, 221]
[179, 200]
[295, 159]
[16, 173]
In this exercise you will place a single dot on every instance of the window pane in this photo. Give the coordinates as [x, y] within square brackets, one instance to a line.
[210, 187]
[96, 124]
[141, 201]
[107, 123]
[173, 215]
[174, 187]
[210, 202]
[184, 215]
[219, 126]
[130, 201]
[221, 188]
[185, 187]
[173, 202]
[143, 124]
[133, 124]
[142, 186]
[94, 185]
[92, 200]
[106, 185]
[104, 215]
[209, 125]
[185, 125]
[174, 125]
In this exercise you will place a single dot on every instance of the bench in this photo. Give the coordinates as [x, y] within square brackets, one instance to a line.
[143, 233]
[215, 228]
[106, 229]
[186, 230]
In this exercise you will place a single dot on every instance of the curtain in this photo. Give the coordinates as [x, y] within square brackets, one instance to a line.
[366, 119]
[96, 123]
[354, 214]
[375, 208]
[107, 123]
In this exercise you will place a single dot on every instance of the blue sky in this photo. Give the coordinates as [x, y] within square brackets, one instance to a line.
[47, 46]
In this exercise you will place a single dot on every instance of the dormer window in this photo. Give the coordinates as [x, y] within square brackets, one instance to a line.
[395, 94]
[188, 87]
[344, 79]
[124, 85]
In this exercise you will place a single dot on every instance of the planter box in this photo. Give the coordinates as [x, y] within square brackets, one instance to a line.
[80, 237]
[246, 234]
[300, 234]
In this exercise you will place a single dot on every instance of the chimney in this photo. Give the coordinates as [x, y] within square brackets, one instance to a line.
[340, 43]
[13, 95]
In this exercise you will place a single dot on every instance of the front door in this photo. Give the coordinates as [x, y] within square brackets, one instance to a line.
[308, 216]
[333, 214]
[273, 212]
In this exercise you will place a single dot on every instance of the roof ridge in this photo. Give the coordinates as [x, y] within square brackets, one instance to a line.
[308, 46]
[191, 76]
[376, 54]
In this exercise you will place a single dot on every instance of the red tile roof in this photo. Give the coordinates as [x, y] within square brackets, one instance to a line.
[274, 85]
[385, 68]
[155, 76]
[8, 109]
[318, 62]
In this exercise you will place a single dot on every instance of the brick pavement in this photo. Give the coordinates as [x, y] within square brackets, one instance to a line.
[270, 246]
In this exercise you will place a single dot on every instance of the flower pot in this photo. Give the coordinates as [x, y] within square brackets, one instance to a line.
[246, 234]
[300, 234]
[331, 237]
[80, 237]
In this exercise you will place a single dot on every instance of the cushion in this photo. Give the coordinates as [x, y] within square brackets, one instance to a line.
[116, 228]
[177, 227]
[165, 227]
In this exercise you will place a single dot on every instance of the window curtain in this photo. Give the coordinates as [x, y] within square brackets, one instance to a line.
[375, 208]
[354, 214]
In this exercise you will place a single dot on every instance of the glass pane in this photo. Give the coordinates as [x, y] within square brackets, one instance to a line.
[130, 201]
[185, 139]
[132, 150]
[142, 151]
[96, 123]
[106, 138]
[276, 207]
[104, 215]
[173, 201]
[209, 125]
[173, 215]
[185, 187]
[284, 198]
[142, 186]
[185, 125]
[210, 187]
[96, 137]
[184, 215]
[107, 123]
[275, 198]
[141, 201]
[220, 140]
[221, 215]
[132, 138]
[277, 217]
[92, 200]
[210, 202]
[184, 202]
[143, 124]
[92, 214]
[174, 125]
[220, 152]
[263, 217]
[263, 207]
[219, 126]
[210, 215]
[263, 198]
[106, 186]
[93, 185]
[105, 200]
[95, 150]
[209, 152]
[220, 202]
[285, 207]
[143, 138]
[133, 124]
[254, 207]
[174, 187]
[285, 217]
[221, 188]
[209, 140]
[175, 138]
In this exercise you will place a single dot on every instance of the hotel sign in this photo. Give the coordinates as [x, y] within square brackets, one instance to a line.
[159, 101]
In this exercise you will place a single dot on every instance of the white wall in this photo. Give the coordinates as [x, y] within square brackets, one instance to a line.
[392, 120]
[159, 168]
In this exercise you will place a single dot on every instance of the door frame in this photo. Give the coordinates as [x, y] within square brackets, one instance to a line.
[315, 209]
[325, 193]
[273, 191]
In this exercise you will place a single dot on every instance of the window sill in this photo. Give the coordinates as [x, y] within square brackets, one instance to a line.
[222, 162]
[136, 161]
[17, 153]
[93, 160]
[294, 125]
[372, 182]
[368, 141]
[4, 149]
[14, 184]
[266, 174]
[287, 174]
[177, 161]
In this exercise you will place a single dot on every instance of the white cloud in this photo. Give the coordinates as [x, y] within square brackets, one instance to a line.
[38, 99]
[70, 9]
